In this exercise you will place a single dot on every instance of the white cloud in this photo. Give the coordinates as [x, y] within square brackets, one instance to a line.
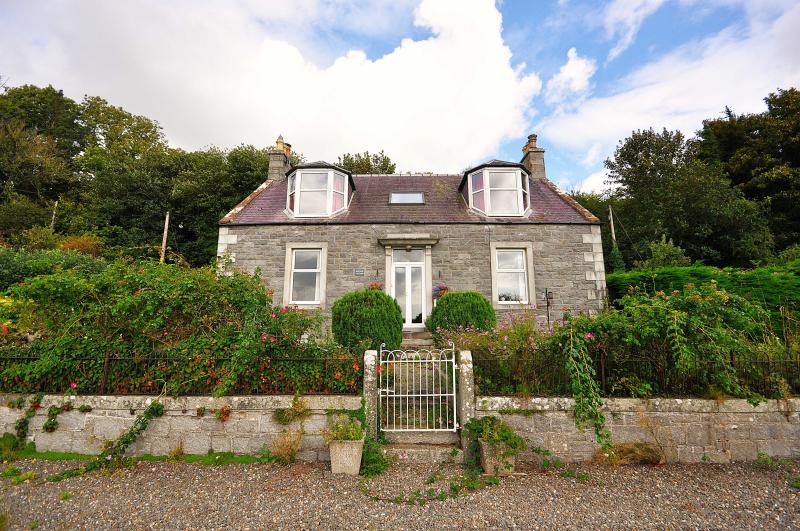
[219, 73]
[594, 183]
[737, 67]
[572, 80]
[622, 19]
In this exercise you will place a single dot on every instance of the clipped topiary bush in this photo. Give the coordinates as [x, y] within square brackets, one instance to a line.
[367, 316]
[467, 309]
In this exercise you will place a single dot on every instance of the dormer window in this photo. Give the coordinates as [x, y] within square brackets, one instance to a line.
[499, 191]
[316, 193]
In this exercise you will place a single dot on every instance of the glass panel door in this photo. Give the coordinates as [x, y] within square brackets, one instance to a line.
[409, 286]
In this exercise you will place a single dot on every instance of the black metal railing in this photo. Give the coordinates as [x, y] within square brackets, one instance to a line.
[190, 376]
[643, 377]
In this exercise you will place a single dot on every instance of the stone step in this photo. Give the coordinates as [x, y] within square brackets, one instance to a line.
[416, 334]
[412, 344]
[425, 453]
[422, 437]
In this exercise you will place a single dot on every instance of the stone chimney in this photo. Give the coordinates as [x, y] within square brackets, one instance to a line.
[279, 160]
[533, 158]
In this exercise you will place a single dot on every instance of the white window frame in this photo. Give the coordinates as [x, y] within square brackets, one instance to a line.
[322, 273]
[295, 188]
[527, 248]
[522, 189]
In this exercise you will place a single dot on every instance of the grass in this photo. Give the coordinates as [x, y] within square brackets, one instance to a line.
[28, 453]
[211, 459]
[629, 454]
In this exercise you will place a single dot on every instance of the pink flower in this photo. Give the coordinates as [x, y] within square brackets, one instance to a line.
[272, 340]
[108, 458]
[274, 315]
[140, 271]
[284, 309]
[263, 337]
[589, 335]
[73, 385]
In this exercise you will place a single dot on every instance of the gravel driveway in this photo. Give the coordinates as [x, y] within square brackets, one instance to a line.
[179, 495]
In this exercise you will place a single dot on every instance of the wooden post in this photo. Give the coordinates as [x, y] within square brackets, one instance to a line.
[611, 222]
[164, 239]
[53, 219]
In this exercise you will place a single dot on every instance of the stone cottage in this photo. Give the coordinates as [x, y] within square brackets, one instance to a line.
[502, 228]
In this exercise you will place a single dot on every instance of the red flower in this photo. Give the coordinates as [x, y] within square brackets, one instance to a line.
[272, 340]
[380, 369]
[284, 309]
[141, 271]
[352, 382]
[5, 329]
[337, 375]
[73, 385]
[355, 365]
[273, 315]
[263, 337]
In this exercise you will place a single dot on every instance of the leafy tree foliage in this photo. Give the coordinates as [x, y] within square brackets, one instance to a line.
[663, 253]
[760, 153]
[667, 189]
[364, 163]
[48, 112]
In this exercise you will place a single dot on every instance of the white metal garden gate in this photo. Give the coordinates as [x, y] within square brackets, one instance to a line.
[417, 390]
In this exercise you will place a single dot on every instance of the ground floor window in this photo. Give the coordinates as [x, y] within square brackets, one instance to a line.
[304, 284]
[512, 274]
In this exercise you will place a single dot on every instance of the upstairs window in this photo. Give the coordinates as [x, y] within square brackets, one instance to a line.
[316, 193]
[499, 192]
[406, 198]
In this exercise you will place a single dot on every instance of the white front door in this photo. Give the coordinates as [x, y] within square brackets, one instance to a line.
[408, 286]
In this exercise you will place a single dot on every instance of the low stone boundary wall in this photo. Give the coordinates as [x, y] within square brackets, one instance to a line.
[248, 429]
[686, 430]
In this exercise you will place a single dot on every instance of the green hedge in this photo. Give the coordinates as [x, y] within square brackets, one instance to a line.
[465, 309]
[367, 318]
[774, 287]
[16, 266]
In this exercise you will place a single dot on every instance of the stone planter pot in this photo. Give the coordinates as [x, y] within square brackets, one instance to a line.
[346, 456]
[493, 461]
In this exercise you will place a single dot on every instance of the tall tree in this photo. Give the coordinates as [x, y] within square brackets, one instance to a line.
[761, 155]
[210, 183]
[128, 171]
[48, 112]
[364, 163]
[667, 190]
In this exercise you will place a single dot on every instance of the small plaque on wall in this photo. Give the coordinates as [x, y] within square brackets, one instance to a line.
[359, 272]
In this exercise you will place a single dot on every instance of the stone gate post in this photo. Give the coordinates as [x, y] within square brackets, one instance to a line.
[466, 388]
[371, 392]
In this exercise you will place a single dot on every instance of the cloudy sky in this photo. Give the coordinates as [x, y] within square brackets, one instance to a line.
[438, 84]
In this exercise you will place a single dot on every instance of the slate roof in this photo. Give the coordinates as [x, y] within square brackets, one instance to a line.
[443, 204]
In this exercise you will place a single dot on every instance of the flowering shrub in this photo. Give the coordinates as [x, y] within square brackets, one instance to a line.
[137, 326]
[509, 359]
[343, 428]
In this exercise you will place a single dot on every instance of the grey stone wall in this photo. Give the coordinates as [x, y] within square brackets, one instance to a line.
[686, 430]
[567, 259]
[249, 428]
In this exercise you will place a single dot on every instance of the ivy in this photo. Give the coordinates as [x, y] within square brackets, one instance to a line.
[585, 391]
[113, 454]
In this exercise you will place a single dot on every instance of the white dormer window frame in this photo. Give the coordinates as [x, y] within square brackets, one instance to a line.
[295, 191]
[522, 190]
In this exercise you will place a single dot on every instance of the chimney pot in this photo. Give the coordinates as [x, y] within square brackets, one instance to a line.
[533, 158]
[279, 160]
